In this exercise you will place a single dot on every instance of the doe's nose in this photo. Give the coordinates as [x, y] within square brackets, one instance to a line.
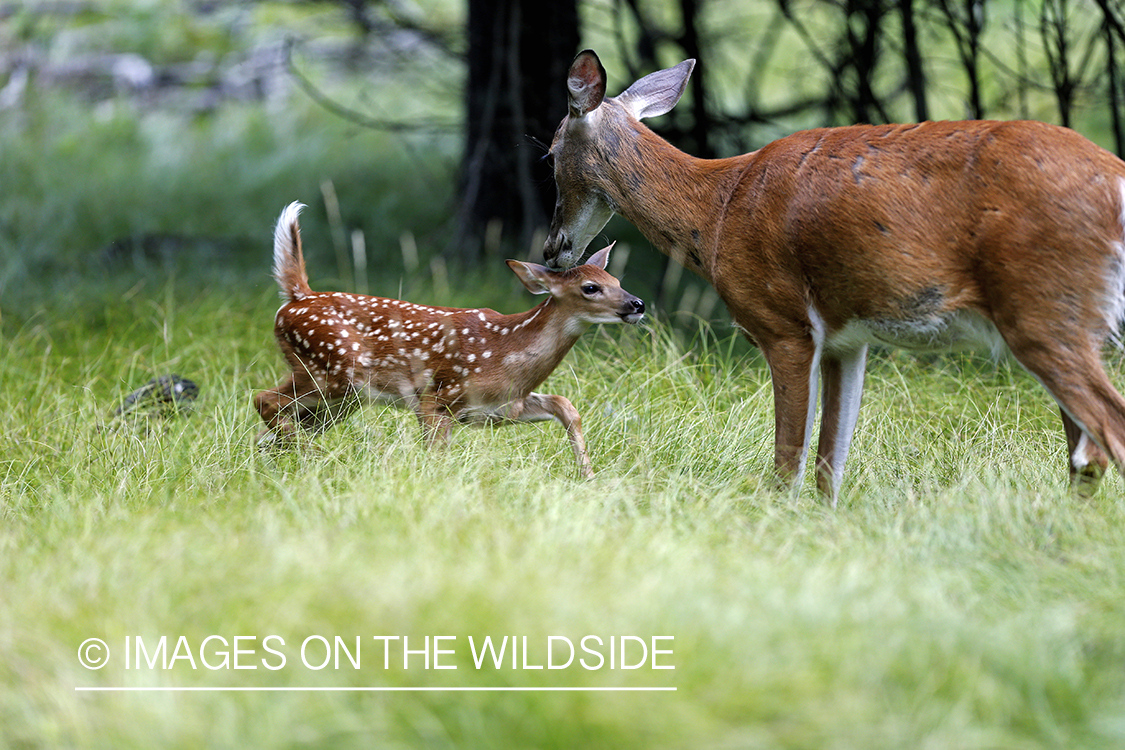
[555, 246]
[638, 305]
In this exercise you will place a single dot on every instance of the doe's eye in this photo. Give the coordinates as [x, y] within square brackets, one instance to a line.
[590, 288]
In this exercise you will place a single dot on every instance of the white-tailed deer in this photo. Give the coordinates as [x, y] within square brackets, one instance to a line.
[935, 235]
[447, 364]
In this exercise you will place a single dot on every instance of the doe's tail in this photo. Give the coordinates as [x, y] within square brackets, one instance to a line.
[288, 261]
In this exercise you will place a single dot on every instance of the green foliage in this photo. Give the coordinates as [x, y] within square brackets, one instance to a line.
[960, 597]
[82, 192]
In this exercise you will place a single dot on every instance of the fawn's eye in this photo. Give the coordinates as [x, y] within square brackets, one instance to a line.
[590, 289]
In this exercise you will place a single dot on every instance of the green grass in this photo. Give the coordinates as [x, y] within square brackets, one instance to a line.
[959, 597]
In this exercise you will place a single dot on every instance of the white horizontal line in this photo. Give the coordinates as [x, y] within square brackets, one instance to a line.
[112, 689]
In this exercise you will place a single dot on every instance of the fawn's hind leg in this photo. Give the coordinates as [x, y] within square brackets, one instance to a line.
[275, 407]
[298, 401]
[434, 416]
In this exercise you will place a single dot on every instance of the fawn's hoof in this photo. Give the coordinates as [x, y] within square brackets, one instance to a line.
[270, 441]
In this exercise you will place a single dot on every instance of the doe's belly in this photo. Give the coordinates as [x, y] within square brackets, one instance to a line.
[941, 331]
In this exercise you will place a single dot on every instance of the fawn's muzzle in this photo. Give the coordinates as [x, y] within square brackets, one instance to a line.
[633, 310]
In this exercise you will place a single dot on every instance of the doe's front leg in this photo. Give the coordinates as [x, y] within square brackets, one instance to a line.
[842, 379]
[1087, 462]
[794, 370]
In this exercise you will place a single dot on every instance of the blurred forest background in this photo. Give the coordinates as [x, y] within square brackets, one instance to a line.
[144, 137]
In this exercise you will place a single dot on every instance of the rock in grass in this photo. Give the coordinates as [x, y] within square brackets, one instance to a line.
[163, 396]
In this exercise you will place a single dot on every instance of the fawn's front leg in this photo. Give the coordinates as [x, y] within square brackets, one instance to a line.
[538, 407]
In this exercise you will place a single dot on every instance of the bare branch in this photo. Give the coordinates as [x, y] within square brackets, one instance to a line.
[359, 118]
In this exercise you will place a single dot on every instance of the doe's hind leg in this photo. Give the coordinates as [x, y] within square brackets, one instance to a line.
[1093, 410]
[1087, 461]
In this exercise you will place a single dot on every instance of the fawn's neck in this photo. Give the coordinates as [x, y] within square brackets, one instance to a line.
[535, 341]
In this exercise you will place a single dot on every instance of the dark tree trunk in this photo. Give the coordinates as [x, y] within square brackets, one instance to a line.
[1056, 43]
[701, 118]
[974, 27]
[912, 56]
[1113, 34]
[967, 27]
[863, 21]
[519, 54]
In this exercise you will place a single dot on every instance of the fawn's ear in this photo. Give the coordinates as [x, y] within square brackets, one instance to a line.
[601, 257]
[535, 277]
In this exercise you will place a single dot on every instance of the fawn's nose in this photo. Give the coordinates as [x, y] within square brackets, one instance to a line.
[632, 310]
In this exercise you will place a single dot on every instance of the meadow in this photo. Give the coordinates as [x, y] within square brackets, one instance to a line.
[960, 596]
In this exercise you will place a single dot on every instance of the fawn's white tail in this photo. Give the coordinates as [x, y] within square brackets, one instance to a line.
[288, 260]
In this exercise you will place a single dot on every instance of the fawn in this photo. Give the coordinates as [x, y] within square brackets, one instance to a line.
[447, 364]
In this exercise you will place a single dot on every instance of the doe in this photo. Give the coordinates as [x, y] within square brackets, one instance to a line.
[446, 364]
[1006, 235]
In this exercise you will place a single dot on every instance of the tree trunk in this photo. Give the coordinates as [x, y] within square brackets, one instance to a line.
[519, 54]
[912, 55]
[701, 117]
[1113, 33]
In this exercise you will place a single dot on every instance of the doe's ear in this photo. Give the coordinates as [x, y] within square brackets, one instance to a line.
[585, 83]
[658, 92]
[534, 276]
[601, 257]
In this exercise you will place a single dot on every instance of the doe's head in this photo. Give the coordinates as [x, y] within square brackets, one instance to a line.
[590, 153]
